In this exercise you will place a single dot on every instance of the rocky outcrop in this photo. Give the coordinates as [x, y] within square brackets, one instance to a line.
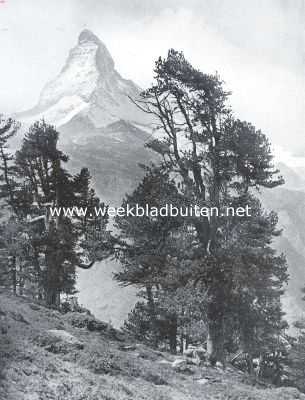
[58, 341]
[180, 365]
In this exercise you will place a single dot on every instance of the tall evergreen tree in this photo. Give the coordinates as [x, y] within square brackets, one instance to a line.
[245, 274]
[95, 240]
[8, 180]
[295, 361]
[14, 242]
[217, 158]
[58, 241]
[143, 251]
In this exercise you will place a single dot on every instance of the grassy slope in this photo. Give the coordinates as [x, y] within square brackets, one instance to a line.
[95, 365]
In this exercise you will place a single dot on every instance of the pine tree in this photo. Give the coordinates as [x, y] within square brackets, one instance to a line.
[258, 279]
[243, 278]
[44, 250]
[216, 157]
[94, 237]
[295, 360]
[59, 242]
[14, 240]
[8, 181]
[144, 241]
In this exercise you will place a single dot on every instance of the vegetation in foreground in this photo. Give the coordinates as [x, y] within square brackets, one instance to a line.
[46, 354]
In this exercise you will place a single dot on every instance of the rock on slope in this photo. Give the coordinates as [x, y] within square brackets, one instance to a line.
[45, 355]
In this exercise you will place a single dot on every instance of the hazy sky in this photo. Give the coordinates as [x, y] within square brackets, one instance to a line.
[257, 46]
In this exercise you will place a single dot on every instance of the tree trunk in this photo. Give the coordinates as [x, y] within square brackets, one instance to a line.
[53, 297]
[250, 367]
[246, 340]
[173, 335]
[14, 274]
[21, 279]
[181, 343]
[215, 341]
[153, 318]
[186, 342]
[206, 233]
[52, 290]
[51, 284]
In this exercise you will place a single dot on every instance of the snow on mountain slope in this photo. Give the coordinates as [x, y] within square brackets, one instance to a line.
[79, 75]
[88, 85]
[60, 112]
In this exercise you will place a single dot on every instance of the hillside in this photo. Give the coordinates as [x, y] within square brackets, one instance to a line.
[113, 155]
[46, 355]
[289, 205]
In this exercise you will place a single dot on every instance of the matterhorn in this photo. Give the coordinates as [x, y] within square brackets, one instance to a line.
[88, 88]
[100, 127]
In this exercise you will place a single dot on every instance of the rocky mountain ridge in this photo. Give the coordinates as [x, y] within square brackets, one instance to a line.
[88, 85]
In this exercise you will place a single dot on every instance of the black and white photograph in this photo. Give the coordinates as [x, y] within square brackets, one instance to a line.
[152, 200]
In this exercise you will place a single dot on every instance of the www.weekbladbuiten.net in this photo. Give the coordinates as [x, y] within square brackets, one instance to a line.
[167, 210]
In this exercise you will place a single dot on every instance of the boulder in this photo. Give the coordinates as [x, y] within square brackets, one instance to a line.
[203, 381]
[127, 347]
[219, 365]
[59, 341]
[83, 320]
[196, 352]
[164, 362]
[199, 353]
[34, 307]
[18, 317]
[188, 352]
[193, 361]
[180, 365]
[63, 335]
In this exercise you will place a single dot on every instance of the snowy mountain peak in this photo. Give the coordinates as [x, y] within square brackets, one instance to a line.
[89, 85]
[87, 62]
[87, 36]
[104, 61]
